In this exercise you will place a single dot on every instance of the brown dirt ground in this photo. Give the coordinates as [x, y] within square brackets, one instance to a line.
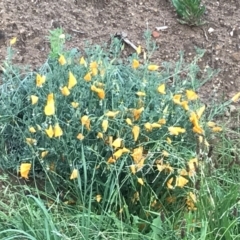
[95, 20]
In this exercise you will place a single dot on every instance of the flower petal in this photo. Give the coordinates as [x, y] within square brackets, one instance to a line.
[71, 81]
[74, 174]
[24, 169]
[135, 132]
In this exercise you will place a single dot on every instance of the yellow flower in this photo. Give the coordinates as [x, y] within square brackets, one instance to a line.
[50, 131]
[135, 132]
[169, 183]
[133, 169]
[176, 130]
[88, 77]
[137, 154]
[139, 49]
[111, 114]
[82, 61]
[198, 129]
[34, 99]
[135, 64]
[74, 104]
[211, 124]
[137, 113]
[94, 71]
[85, 121]
[111, 160]
[13, 41]
[98, 198]
[177, 99]
[200, 111]
[93, 65]
[31, 129]
[191, 200]
[44, 154]
[165, 153]
[184, 104]
[216, 129]
[166, 167]
[74, 174]
[24, 169]
[156, 125]
[71, 80]
[57, 130]
[169, 141]
[153, 67]
[62, 60]
[80, 136]
[141, 94]
[162, 121]
[118, 154]
[236, 97]
[161, 89]
[99, 135]
[117, 143]
[140, 181]
[129, 121]
[191, 95]
[192, 165]
[31, 141]
[100, 92]
[194, 119]
[50, 108]
[105, 125]
[65, 91]
[181, 181]
[148, 126]
[40, 80]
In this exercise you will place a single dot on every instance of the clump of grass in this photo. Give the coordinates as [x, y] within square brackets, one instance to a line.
[190, 11]
[127, 136]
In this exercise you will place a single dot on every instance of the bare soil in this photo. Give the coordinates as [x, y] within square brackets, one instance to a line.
[96, 20]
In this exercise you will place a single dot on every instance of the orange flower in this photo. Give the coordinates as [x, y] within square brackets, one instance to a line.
[40, 80]
[135, 132]
[88, 77]
[62, 60]
[135, 63]
[176, 130]
[65, 91]
[50, 108]
[71, 81]
[177, 99]
[191, 95]
[111, 114]
[236, 97]
[137, 113]
[141, 94]
[74, 104]
[85, 121]
[24, 169]
[129, 121]
[153, 67]
[105, 125]
[57, 130]
[80, 136]
[34, 99]
[161, 89]
[50, 131]
[82, 61]
[184, 104]
[117, 143]
[74, 174]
